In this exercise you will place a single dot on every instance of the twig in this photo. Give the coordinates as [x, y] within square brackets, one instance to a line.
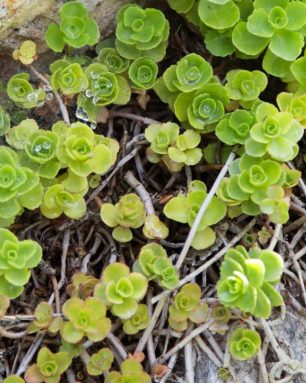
[62, 106]
[92, 251]
[141, 191]
[208, 351]
[135, 117]
[12, 335]
[202, 210]
[150, 345]
[118, 345]
[171, 365]
[56, 294]
[207, 264]
[189, 363]
[31, 352]
[261, 362]
[275, 238]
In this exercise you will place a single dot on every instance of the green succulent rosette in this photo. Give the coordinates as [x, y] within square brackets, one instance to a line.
[22, 92]
[17, 258]
[244, 343]
[247, 280]
[143, 73]
[139, 321]
[115, 63]
[294, 104]
[121, 290]
[85, 318]
[161, 136]
[76, 29]
[100, 362]
[131, 371]
[141, 32]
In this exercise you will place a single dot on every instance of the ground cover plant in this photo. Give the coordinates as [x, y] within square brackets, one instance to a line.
[152, 202]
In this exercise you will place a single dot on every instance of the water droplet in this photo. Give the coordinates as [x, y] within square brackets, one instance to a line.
[81, 114]
[96, 85]
[37, 149]
[93, 125]
[40, 104]
[89, 93]
[94, 75]
[32, 97]
[46, 145]
[49, 96]
[47, 88]
[95, 100]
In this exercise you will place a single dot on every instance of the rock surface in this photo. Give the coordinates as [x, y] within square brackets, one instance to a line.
[28, 19]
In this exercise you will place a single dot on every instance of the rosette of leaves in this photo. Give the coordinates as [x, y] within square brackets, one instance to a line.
[202, 108]
[154, 228]
[187, 306]
[139, 321]
[221, 313]
[143, 73]
[17, 258]
[161, 136]
[82, 285]
[48, 368]
[104, 88]
[121, 290]
[43, 319]
[100, 362]
[85, 318]
[244, 344]
[129, 213]
[294, 104]
[26, 53]
[141, 32]
[18, 136]
[76, 28]
[115, 63]
[189, 74]
[19, 187]
[154, 263]
[275, 133]
[5, 121]
[276, 205]
[244, 85]
[84, 152]
[131, 371]
[276, 24]
[184, 209]
[22, 92]
[247, 280]
[67, 77]
[235, 127]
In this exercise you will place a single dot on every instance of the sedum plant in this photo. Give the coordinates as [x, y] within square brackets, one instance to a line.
[48, 368]
[297, 68]
[244, 344]
[67, 77]
[85, 318]
[139, 321]
[274, 133]
[110, 57]
[76, 28]
[100, 362]
[276, 205]
[5, 121]
[131, 371]
[19, 187]
[22, 92]
[128, 213]
[143, 73]
[154, 263]
[247, 280]
[26, 53]
[17, 258]
[184, 209]
[121, 290]
[187, 306]
[141, 32]
[294, 104]
[82, 285]
[44, 320]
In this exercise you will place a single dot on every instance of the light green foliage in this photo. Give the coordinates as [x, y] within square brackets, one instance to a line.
[161, 136]
[43, 317]
[202, 108]
[19, 187]
[5, 121]
[189, 74]
[104, 88]
[85, 318]
[76, 29]
[17, 258]
[22, 92]
[13, 379]
[67, 77]
[275, 133]
[49, 367]
[154, 228]
[244, 85]
[294, 104]
[247, 280]
[275, 205]
[235, 127]
[181, 7]
[26, 53]
[100, 362]
[139, 321]
[298, 69]
[127, 214]
[187, 306]
[115, 63]
[143, 73]
[131, 371]
[184, 209]
[84, 152]
[219, 14]
[121, 290]
[244, 343]
[141, 32]
[154, 263]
